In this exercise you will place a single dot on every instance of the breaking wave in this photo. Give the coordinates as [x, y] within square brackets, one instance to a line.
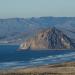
[52, 59]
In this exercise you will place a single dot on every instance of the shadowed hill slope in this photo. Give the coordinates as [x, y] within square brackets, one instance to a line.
[50, 38]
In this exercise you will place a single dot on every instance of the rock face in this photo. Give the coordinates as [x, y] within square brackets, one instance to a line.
[50, 38]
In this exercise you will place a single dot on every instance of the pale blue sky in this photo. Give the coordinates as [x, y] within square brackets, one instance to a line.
[36, 8]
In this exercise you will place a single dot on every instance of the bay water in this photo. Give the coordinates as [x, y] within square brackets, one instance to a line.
[12, 58]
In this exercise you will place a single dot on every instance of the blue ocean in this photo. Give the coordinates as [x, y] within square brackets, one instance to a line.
[12, 58]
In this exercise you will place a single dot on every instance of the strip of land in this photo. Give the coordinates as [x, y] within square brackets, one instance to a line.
[67, 68]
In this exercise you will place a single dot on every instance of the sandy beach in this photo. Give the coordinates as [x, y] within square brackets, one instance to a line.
[67, 68]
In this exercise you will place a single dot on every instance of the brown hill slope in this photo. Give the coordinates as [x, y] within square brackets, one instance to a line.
[50, 38]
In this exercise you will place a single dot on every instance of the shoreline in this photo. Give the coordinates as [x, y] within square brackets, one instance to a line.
[65, 68]
[42, 49]
[19, 49]
[10, 44]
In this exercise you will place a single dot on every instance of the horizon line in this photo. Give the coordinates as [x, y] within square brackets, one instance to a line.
[39, 17]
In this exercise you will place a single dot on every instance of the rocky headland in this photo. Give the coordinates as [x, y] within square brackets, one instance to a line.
[50, 38]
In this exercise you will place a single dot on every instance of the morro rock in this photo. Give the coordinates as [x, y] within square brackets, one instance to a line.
[50, 38]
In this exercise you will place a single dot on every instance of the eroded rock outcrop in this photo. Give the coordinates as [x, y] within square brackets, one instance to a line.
[50, 38]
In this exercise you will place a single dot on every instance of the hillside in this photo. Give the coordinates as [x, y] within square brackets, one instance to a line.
[50, 38]
[16, 30]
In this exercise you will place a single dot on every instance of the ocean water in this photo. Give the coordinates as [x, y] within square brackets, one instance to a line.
[12, 58]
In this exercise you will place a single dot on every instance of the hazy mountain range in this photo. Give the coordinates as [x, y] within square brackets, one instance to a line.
[16, 30]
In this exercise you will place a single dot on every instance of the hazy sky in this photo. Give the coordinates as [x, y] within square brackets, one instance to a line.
[35, 8]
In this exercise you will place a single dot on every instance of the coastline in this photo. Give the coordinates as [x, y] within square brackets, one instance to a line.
[14, 44]
[66, 68]
[10, 44]
[46, 49]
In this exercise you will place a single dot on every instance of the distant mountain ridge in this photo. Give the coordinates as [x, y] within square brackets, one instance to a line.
[16, 30]
[50, 38]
